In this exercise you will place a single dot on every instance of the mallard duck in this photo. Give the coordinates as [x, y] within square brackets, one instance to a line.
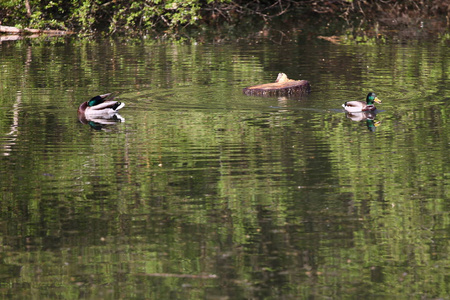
[99, 106]
[99, 110]
[358, 106]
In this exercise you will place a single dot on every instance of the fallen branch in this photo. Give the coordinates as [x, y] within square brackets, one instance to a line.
[15, 30]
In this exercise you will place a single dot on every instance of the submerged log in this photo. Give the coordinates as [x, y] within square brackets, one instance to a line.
[281, 87]
[15, 30]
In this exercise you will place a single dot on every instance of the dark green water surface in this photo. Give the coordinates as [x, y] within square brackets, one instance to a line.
[205, 193]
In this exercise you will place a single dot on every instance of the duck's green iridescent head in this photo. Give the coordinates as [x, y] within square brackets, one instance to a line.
[371, 98]
[96, 100]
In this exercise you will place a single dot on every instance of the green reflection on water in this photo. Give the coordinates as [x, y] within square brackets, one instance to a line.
[204, 192]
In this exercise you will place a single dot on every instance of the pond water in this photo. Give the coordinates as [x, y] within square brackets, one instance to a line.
[205, 193]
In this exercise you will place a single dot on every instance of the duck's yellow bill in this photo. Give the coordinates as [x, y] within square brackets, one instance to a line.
[377, 100]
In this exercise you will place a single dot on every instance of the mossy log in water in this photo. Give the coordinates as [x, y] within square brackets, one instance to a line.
[281, 87]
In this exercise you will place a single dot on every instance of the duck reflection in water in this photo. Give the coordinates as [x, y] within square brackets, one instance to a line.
[369, 117]
[100, 111]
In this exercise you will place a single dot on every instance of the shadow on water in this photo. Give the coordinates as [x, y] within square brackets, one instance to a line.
[102, 123]
[368, 117]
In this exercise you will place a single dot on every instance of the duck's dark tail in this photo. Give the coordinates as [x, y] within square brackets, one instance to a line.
[118, 105]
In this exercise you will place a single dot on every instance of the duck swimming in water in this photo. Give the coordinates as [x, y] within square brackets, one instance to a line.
[99, 106]
[100, 110]
[359, 106]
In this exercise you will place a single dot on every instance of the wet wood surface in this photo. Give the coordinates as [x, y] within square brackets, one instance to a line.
[282, 86]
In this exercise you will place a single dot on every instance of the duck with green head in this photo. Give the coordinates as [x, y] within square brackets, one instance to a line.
[100, 108]
[359, 106]
[100, 105]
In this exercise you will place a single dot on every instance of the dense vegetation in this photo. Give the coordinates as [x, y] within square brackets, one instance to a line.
[142, 16]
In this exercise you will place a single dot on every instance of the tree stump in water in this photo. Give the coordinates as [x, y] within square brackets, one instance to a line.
[281, 87]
